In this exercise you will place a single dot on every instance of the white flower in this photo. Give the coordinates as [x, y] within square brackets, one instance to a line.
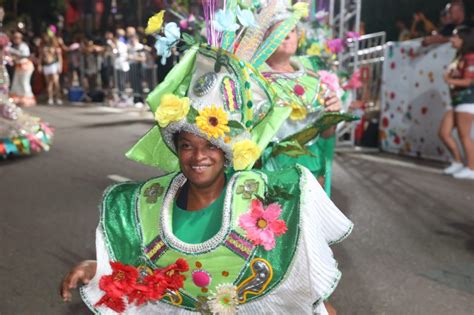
[225, 21]
[225, 300]
[246, 18]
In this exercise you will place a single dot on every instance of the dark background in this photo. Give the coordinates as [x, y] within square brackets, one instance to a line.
[381, 15]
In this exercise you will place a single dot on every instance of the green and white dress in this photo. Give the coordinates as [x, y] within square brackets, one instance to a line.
[138, 228]
[304, 87]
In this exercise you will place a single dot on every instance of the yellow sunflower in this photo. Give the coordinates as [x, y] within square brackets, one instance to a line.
[213, 121]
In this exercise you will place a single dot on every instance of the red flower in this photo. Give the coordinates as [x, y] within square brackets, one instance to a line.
[125, 281]
[140, 294]
[114, 303]
[157, 284]
[120, 282]
[182, 265]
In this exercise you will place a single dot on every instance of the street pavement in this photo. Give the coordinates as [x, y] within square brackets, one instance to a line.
[411, 251]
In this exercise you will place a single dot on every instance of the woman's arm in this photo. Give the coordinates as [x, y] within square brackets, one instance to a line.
[462, 83]
[81, 273]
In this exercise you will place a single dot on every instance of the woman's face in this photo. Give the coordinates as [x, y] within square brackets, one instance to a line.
[456, 42]
[289, 45]
[200, 161]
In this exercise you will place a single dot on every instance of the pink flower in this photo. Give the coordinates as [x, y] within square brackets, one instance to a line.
[354, 82]
[352, 35]
[262, 225]
[335, 45]
[329, 79]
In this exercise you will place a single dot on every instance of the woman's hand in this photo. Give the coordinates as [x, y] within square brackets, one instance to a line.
[447, 76]
[83, 272]
[332, 103]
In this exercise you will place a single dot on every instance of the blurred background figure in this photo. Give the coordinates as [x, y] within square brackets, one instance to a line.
[51, 66]
[403, 31]
[136, 57]
[421, 25]
[21, 91]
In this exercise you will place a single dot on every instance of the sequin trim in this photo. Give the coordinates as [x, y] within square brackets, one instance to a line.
[166, 214]
[155, 249]
[230, 94]
[239, 245]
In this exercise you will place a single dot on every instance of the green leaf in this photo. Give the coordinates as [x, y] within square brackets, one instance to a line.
[291, 148]
[234, 124]
[188, 39]
[192, 114]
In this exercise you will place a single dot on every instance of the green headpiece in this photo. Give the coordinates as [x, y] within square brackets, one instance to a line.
[212, 94]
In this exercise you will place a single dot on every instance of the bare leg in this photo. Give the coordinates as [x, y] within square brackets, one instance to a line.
[464, 126]
[446, 135]
[49, 86]
[321, 181]
[331, 310]
[57, 90]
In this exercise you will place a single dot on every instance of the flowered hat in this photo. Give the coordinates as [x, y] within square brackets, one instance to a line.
[216, 95]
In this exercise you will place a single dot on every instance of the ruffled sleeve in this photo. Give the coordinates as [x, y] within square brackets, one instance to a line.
[91, 293]
[322, 223]
[324, 214]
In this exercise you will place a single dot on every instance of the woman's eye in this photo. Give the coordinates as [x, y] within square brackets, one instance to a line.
[184, 146]
[212, 147]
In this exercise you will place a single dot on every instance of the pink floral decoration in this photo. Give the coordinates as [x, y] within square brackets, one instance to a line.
[335, 45]
[352, 35]
[298, 89]
[262, 224]
[354, 82]
[330, 80]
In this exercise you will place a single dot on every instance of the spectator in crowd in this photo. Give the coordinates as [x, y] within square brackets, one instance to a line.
[457, 18]
[121, 63]
[421, 25]
[403, 31]
[91, 65]
[107, 69]
[460, 79]
[136, 57]
[51, 65]
[21, 91]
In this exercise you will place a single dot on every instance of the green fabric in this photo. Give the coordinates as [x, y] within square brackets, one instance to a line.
[195, 227]
[174, 79]
[127, 235]
[315, 163]
[264, 132]
[117, 222]
[282, 255]
[151, 150]
[327, 146]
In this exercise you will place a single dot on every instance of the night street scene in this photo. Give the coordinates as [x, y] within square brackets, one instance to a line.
[237, 157]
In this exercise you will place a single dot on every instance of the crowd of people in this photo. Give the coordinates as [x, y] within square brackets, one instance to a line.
[457, 28]
[451, 16]
[118, 65]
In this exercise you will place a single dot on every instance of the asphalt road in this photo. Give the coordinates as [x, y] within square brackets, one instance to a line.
[411, 252]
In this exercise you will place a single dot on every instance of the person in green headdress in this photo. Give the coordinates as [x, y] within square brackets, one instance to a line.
[312, 94]
[213, 236]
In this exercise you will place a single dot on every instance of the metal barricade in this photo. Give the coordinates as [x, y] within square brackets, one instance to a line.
[131, 87]
[365, 54]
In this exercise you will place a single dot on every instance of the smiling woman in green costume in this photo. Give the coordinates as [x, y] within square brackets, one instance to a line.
[213, 236]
